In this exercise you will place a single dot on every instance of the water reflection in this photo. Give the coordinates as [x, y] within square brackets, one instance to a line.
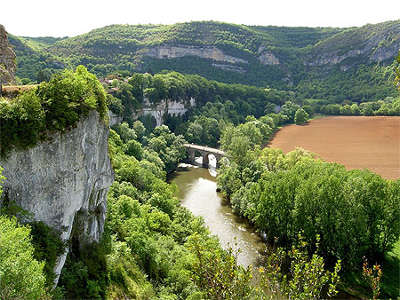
[197, 192]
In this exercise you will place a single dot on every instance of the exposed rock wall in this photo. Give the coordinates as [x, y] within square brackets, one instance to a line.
[7, 59]
[370, 43]
[267, 57]
[64, 181]
[208, 52]
[171, 107]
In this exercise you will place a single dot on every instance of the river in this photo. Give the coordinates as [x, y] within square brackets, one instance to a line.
[197, 192]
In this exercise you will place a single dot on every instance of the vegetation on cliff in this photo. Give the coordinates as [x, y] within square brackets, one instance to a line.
[240, 100]
[56, 105]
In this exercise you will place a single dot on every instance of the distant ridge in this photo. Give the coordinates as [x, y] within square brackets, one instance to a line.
[336, 63]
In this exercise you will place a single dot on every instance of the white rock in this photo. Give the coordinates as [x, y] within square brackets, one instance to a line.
[64, 181]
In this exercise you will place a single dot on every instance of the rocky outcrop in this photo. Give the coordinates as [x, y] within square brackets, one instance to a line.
[334, 59]
[64, 181]
[368, 44]
[268, 58]
[207, 52]
[168, 106]
[7, 59]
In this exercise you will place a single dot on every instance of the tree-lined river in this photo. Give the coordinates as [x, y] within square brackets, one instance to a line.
[197, 192]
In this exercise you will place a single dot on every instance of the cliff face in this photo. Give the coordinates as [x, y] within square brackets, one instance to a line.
[370, 43]
[64, 182]
[168, 106]
[208, 52]
[7, 59]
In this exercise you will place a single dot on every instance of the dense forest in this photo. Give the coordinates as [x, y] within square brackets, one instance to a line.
[330, 63]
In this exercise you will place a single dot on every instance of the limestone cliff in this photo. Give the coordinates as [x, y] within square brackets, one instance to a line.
[208, 52]
[7, 59]
[370, 43]
[167, 106]
[64, 181]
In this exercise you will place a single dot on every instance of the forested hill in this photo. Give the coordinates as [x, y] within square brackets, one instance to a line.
[334, 63]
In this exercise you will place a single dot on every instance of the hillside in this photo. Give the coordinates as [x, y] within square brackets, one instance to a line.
[334, 63]
[33, 59]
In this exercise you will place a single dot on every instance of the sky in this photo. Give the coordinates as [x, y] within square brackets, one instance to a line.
[72, 17]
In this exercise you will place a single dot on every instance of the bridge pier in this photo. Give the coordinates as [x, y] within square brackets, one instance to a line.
[192, 155]
[206, 161]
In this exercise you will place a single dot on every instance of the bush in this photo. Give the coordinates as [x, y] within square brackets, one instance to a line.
[301, 117]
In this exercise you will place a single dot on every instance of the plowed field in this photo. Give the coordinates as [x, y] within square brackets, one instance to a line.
[356, 142]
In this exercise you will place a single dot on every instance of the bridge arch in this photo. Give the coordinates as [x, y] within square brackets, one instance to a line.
[204, 152]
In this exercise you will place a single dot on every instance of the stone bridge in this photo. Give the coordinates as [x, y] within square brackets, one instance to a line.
[204, 151]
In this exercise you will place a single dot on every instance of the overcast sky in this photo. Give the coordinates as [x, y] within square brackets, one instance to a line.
[73, 17]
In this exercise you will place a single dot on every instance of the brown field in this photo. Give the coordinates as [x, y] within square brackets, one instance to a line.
[356, 142]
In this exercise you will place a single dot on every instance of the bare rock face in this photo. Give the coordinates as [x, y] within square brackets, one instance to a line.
[208, 52]
[268, 58]
[377, 44]
[7, 59]
[64, 181]
[166, 106]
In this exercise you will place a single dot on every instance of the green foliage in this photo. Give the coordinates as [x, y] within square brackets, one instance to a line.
[143, 253]
[240, 140]
[355, 212]
[388, 107]
[301, 117]
[48, 247]
[21, 276]
[306, 277]
[31, 59]
[168, 146]
[125, 132]
[203, 131]
[83, 275]
[56, 105]
[289, 109]
[397, 79]
[217, 271]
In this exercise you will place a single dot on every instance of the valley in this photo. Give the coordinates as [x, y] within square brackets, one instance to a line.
[96, 201]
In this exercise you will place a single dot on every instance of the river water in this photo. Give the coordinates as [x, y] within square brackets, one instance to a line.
[197, 192]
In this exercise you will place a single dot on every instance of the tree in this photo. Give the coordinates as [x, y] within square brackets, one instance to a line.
[289, 109]
[168, 146]
[134, 148]
[307, 275]
[139, 128]
[355, 110]
[301, 117]
[21, 276]
[126, 133]
[43, 75]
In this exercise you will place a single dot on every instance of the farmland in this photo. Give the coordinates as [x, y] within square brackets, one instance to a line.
[356, 142]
